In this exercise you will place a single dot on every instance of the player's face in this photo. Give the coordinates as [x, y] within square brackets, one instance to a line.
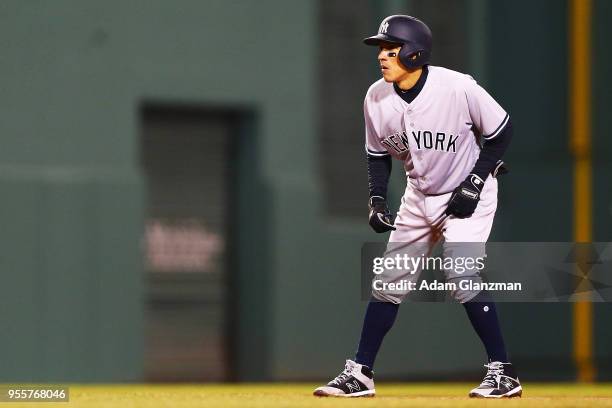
[391, 67]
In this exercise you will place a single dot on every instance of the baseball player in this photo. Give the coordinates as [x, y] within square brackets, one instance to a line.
[450, 135]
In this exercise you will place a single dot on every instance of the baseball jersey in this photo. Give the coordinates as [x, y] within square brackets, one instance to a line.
[436, 135]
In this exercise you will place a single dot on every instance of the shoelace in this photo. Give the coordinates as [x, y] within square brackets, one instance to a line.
[494, 371]
[345, 374]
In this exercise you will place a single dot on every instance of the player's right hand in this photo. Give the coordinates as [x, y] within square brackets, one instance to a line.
[381, 219]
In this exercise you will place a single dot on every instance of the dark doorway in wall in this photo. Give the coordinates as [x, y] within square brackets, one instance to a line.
[186, 160]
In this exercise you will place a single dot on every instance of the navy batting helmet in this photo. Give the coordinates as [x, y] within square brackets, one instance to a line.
[411, 33]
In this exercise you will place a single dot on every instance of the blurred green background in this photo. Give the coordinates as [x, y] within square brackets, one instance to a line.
[184, 186]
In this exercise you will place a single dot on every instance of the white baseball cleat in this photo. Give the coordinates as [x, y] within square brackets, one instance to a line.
[500, 381]
[356, 380]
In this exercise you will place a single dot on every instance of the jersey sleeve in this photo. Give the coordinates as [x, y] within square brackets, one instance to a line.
[486, 114]
[372, 143]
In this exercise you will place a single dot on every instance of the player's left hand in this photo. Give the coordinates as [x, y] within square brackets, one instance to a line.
[465, 197]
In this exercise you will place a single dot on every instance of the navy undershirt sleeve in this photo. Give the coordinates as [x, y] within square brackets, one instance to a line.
[492, 151]
[379, 169]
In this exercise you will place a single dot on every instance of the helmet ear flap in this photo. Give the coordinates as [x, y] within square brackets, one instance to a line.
[423, 58]
[407, 57]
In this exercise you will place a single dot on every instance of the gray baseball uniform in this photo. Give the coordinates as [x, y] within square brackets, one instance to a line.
[436, 138]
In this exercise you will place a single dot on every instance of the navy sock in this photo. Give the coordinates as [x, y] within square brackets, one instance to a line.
[483, 315]
[378, 320]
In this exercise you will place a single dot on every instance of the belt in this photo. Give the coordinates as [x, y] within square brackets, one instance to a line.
[434, 195]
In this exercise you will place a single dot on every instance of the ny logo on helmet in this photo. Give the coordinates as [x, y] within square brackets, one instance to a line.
[383, 27]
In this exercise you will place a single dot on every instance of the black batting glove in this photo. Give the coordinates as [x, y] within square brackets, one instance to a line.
[465, 197]
[381, 219]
